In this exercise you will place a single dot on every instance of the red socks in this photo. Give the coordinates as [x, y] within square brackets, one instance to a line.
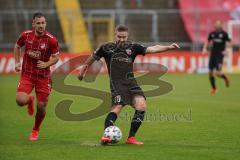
[38, 120]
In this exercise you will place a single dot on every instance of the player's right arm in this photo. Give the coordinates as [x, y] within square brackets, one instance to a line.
[205, 48]
[206, 44]
[97, 55]
[17, 51]
[85, 66]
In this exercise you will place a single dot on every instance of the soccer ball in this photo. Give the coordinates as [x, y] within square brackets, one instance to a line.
[114, 133]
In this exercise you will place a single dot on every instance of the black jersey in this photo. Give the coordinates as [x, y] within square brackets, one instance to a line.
[219, 39]
[119, 60]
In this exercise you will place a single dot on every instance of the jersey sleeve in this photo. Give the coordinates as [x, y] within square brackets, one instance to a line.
[98, 53]
[210, 36]
[21, 39]
[139, 49]
[54, 47]
[227, 38]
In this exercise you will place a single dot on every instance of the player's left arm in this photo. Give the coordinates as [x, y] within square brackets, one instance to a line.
[228, 45]
[207, 43]
[228, 41]
[53, 60]
[226, 50]
[161, 48]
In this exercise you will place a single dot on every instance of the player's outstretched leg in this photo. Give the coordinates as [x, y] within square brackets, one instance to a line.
[213, 90]
[40, 115]
[110, 120]
[140, 106]
[135, 124]
[23, 99]
[225, 78]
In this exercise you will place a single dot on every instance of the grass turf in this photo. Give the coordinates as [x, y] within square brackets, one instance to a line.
[192, 125]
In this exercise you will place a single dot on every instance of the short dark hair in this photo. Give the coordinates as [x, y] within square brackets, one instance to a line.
[37, 15]
[121, 28]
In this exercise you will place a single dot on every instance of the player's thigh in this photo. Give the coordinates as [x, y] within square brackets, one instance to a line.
[26, 84]
[219, 64]
[25, 87]
[43, 89]
[212, 64]
[139, 102]
[138, 97]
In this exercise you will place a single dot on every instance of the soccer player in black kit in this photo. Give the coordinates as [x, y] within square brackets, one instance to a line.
[119, 57]
[219, 41]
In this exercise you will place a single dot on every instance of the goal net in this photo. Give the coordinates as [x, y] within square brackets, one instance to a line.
[233, 29]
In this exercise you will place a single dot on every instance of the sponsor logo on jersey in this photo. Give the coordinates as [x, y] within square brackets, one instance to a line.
[122, 59]
[34, 54]
[217, 40]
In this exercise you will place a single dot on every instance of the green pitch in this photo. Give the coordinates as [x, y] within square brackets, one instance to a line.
[187, 123]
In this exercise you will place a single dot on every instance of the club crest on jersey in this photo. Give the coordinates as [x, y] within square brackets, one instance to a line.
[42, 45]
[221, 35]
[129, 51]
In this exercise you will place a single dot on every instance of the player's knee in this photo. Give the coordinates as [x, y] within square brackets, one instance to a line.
[211, 74]
[116, 109]
[21, 99]
[140, 103]
[20, 103]
[218, 73]
[41, 107]
[41, 111]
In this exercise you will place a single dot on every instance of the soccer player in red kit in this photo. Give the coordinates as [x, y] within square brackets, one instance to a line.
[41, 52]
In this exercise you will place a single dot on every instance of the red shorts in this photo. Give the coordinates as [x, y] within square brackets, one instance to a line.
[42, 86]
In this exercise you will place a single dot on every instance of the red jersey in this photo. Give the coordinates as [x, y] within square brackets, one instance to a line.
[37, 48]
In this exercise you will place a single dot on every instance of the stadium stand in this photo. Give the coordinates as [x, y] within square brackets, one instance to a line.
[169, 24]
[16, 16]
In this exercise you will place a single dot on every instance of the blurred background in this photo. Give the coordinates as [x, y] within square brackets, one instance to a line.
[184, 21]
[82, 25]
[187, 123]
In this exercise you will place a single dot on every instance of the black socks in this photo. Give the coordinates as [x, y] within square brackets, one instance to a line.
[110, 119]
[136, 122]
[212, 81]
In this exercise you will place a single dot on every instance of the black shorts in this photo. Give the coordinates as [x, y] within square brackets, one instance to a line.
[215, 63]
[123, 93]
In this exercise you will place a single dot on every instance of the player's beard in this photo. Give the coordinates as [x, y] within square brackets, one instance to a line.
[40, 32]
[121, 44]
